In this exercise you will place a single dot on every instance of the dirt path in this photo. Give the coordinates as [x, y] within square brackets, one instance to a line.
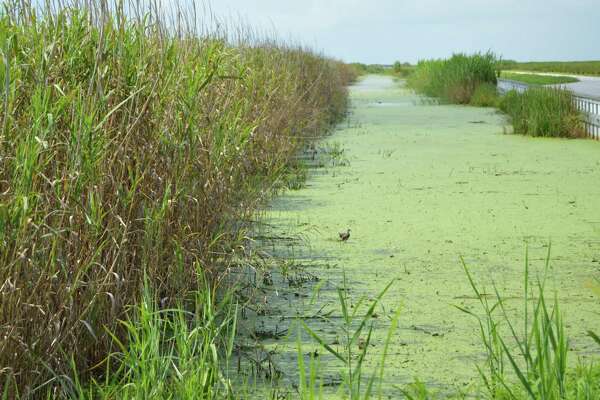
[424, 185]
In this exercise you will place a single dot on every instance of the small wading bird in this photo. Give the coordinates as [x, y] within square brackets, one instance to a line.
[344, 235]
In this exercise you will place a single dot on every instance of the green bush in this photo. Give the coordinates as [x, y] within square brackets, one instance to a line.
[454, 80]
[542, 111]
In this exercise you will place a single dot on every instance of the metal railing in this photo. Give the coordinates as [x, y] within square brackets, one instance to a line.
[589, 106]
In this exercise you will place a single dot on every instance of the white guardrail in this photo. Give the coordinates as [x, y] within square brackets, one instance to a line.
[589, 106]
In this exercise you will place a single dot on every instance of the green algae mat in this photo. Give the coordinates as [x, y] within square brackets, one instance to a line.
[421, 185]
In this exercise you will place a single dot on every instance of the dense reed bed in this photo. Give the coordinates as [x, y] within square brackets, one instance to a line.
[543, 111]
[132, 146]
[456, 79]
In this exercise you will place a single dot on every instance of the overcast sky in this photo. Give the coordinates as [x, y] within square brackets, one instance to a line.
[382, 31]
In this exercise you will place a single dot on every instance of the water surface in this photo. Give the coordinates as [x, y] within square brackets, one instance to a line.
[422, 186]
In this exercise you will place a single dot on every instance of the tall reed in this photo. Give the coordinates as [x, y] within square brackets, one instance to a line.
[456, 79]
[132, 146]
[543, 111]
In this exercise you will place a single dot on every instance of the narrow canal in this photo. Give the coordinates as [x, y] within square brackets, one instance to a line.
[421, 185]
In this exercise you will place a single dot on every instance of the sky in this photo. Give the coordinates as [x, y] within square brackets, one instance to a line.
[384, 31]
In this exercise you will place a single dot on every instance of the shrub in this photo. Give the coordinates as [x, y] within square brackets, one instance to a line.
[542, 111]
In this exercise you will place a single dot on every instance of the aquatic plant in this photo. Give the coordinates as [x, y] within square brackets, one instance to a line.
[167, 352]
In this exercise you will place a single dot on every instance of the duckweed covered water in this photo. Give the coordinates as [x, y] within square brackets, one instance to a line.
[421, 186]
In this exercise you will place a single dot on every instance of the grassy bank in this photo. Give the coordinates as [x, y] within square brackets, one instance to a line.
[131, 149]
[564, 67]
[456, 79]
[534, 79]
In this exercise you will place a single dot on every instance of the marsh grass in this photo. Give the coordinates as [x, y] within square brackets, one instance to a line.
[456, 79]
[543, 111]
[133, 143]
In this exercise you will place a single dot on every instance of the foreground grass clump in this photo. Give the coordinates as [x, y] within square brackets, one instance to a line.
[169, 353]
[129, 148]
[527, 359]
[534, 79]
[355, 330]
[456, 79]
[541, 111]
